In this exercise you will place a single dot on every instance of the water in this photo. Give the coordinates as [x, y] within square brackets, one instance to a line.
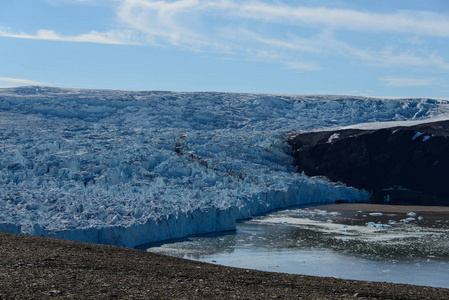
[398, 244]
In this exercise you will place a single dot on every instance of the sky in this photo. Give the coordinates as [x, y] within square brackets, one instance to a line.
[384, 48]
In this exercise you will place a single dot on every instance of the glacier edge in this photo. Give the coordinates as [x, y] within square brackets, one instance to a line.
[128, 168]
[201, 221]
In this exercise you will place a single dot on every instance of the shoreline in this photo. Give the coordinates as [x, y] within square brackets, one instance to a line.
[384, 207]
[40, 267]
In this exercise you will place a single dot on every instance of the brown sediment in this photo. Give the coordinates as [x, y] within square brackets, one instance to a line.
[41, 268]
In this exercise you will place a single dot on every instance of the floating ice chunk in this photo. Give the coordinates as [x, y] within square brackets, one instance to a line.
[411, 214]
[376, 214]
[377, 225]
[417, 134]
[425, 138]
[420, 218]
[383, 225]
[408, 220]
[330, 221]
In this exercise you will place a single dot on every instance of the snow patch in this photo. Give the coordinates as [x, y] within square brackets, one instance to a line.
[417, 134]
[333, 137]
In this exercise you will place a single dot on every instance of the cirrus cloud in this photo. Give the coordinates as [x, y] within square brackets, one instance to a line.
[11, 82]
[169, 16]
[303, 35]
[117, 37]
[408, 81]
[183, 23]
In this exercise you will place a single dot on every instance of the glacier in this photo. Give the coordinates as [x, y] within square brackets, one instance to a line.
[131, 167]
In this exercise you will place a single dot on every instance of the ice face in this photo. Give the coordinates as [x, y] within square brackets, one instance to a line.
[127, 168]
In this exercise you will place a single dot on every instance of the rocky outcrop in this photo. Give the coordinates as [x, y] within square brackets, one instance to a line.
[399, 165]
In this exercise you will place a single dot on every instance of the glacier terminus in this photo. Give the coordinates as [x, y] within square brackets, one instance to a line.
[131, 167]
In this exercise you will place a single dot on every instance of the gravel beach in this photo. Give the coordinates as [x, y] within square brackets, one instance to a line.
[39, 268]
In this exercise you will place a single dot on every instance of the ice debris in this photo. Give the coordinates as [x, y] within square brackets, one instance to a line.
[377, 225]
[408, 220]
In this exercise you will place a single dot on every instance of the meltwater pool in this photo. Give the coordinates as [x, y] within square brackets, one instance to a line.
[400, 244]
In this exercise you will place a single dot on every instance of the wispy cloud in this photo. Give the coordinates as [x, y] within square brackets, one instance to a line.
[118, 37]
[326, 44]
[390, 57]
[91, 2]
[9, 82]
[180, 23]
[187, 24]
[408, 81]
[412, 22]
[172, 18]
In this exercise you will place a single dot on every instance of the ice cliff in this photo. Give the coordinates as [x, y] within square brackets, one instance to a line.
[127, 168]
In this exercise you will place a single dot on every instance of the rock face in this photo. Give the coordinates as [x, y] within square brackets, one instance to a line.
[399, 165]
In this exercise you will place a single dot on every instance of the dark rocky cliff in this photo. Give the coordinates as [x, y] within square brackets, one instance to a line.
[399, 165]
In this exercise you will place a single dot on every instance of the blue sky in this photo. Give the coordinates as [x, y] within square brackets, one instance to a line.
[375, 48]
